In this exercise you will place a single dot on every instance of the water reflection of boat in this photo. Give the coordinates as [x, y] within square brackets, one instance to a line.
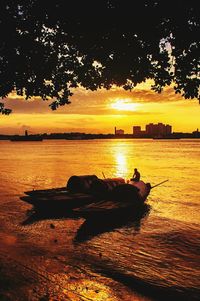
[108, 195]
[36, 216]
[94, 226]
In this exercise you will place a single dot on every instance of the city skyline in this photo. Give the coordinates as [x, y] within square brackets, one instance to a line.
[98, 111]
[134, 129]
[151, 130]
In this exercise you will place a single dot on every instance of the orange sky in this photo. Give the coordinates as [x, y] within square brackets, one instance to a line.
[101, 111]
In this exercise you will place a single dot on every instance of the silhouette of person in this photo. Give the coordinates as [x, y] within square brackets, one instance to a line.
[136, 175]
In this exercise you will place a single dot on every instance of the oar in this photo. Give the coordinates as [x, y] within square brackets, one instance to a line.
[103, 175]
[159, 184]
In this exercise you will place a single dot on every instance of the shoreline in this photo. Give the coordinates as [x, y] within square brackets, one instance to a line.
[43, 265]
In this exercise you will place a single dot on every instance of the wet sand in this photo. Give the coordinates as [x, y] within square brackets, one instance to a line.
[41, 261]
[51, 257]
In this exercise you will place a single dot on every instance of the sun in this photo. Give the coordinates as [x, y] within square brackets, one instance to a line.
[125, 104]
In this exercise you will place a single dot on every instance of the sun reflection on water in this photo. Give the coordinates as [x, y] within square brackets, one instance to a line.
[121, 163]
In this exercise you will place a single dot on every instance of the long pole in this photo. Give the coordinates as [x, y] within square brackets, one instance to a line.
[103, 175]
[159, 184]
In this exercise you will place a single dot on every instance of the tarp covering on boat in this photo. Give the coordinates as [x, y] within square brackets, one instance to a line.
[80, 183]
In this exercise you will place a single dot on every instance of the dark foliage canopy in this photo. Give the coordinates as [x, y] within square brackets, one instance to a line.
[49, 47]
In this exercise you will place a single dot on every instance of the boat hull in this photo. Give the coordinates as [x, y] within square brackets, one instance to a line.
[59, 201]
[120, 200]
[125, 199]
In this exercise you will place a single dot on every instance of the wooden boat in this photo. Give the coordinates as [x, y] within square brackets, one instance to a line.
[63, 198]
[125, 199]
[100, 195]
[59, 201]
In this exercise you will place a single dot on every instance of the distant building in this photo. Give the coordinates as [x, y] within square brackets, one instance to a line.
[119, 132]
[150, 129]
[196, 134]
[159, 129]
[138, 133]
[136, 130]
[168, 129]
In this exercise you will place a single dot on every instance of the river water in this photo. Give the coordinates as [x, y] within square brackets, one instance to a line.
[156, 258]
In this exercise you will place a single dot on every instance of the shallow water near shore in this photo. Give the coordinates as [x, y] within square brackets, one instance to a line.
[155, 258]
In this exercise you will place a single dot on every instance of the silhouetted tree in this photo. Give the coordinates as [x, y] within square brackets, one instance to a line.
[49, 47]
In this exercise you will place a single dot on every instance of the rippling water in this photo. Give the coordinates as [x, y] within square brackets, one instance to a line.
[161, 252]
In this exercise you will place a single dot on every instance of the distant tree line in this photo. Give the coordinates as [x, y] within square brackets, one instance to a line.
[84, 136]
[49, 47]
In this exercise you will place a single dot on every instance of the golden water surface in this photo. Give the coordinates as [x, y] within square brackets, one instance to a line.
[160, 252]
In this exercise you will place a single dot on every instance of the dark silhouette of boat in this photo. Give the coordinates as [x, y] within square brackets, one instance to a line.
[124, 199]
[101, 195]
[26, 137]
[93, 226]
[75, 193]
[58, 201]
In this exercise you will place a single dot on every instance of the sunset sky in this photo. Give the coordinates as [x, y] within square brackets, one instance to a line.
[101, 111]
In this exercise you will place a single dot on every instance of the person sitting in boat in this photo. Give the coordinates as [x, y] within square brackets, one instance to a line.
[136, 176]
